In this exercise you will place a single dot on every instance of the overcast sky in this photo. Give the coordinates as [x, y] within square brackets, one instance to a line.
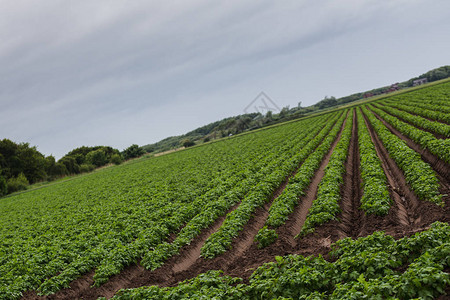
[116, 73]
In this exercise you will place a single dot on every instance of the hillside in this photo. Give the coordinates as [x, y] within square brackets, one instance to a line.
[252, 121]
[324, 185]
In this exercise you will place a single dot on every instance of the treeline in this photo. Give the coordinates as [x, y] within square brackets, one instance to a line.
[22, 165]
[433, 75]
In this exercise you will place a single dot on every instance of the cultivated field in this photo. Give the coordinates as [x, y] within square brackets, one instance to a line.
[322, 188]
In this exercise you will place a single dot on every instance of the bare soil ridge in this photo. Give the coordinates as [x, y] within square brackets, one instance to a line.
[352, 218]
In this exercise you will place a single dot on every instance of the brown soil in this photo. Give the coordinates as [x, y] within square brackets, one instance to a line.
[352, 218]
[407, 216]
[397, 183]
[294, 224]
[191, 253]
[409, 209]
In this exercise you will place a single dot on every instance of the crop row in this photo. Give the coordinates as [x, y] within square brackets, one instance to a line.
[214, 209]
[284, 204]
[439, 147]
[234, 222]
[326, 206]
[436, 96]
[428, 111]
[375, 198]
[440, 106]
[433, 126]
[373, 267]
[419, 175]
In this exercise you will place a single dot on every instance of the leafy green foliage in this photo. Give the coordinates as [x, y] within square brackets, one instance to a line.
[116, 159]
[112, 218]
[439, 147]
[375, 198]
[326, 206]
[21, 158]
[18, 183]
[419, 175]
[366, 268]
[265, 237]
[132, 152]
[3, 185]
[429, 103]
[420, 122]
[85, 168]
[85, 159]
[96, 158]
[221, 240]
[314, 153]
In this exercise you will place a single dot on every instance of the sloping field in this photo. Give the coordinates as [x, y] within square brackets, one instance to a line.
[320, 186]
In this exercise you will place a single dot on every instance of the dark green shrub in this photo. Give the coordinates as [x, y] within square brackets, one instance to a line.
[265, 237]
[132, 152]
[3, 186]
[85, 168]
[116, 159]
[187, 143]
[96, 158]
[17, 183]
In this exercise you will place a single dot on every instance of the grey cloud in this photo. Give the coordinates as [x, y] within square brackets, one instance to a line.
[131, 67]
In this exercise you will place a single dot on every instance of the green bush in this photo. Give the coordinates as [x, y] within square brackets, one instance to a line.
[265, 237]
[187, 143]
[17, 183]
[116, 159]
[85, 168]
[132, 152]
[97, 158]
[3, 186]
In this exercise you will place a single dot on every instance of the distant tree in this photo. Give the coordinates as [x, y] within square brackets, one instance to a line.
[206, 139]
[21, 158]
[80, 154]
[17, 183]
[149, 148]
[284, 111]
[33, 163]
[49, 162]
[79, 158]
[58, 170]
[187, 143]
[3, 185]
[327, 102]
[71, 164]
[116, 159]
[85, 168]
[96, 158]
[132, 152]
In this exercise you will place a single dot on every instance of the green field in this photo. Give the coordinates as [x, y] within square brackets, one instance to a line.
[148, 212]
